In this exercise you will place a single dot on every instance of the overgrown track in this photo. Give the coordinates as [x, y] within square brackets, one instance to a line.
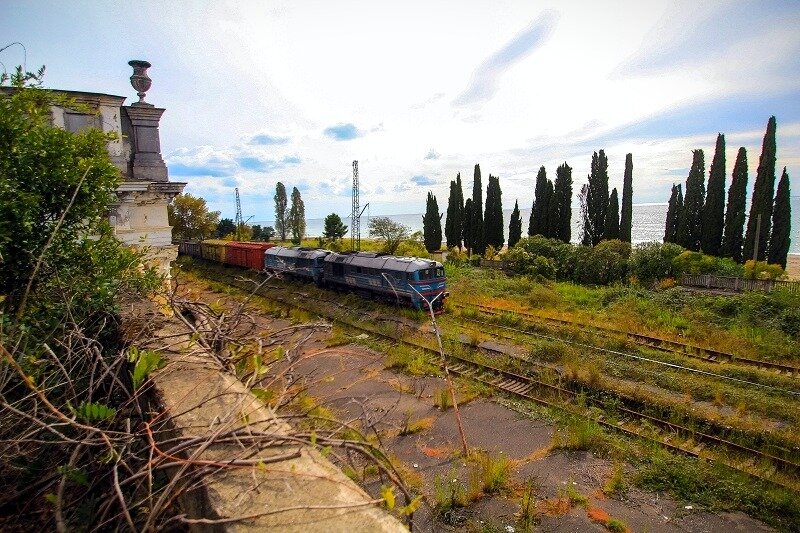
[511, 333]
[658, 343]
[780, 470]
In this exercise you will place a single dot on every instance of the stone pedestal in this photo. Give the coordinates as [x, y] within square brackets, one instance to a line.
[146, 164]
[139, 218]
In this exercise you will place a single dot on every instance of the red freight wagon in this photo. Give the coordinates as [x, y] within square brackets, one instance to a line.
[247, 254]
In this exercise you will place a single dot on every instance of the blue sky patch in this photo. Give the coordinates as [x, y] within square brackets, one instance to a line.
[178, 169]
[342, 132]
[423, 181]
[264, 139]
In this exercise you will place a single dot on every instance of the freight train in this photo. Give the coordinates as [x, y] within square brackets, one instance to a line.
[410, 281]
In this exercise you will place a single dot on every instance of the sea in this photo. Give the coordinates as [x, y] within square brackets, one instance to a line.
[647, 224]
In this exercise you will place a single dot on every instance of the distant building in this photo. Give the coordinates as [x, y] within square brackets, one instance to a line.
[139, 215]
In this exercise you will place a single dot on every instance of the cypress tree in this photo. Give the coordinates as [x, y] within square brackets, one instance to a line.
[546, 209]
[539, 207]
[714, 210]
[734, 213]
[626, 217]
[598, 187]
[560, 224]
[612, 217]
[432, 225]
[453, 226]
[690, 222]
[493, 222]
[585, 198]
[515, 226]
[781, 224]
[460, 206]
[762, 196]
[673, 214]
[468, 225]
[478, 240]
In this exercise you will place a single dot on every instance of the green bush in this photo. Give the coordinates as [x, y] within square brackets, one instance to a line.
[695, 263]
[412, 249]
[761, 270]
[651, 261]
[561, 253]
[456, 257]
[605, 263]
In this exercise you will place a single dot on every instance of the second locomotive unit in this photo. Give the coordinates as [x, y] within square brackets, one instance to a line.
[408, 280]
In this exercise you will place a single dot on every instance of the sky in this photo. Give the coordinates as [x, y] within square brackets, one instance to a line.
[258, 92]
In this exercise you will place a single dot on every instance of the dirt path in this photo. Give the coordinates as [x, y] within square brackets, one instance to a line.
[352, 381]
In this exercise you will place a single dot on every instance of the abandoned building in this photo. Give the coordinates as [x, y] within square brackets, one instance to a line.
[139, 215]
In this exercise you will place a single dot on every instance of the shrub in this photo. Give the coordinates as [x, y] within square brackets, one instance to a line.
[561, 253]
[653, 260]
[605, 263]
[412, 248]
[456, 257]
[695, 263]
[761, 270]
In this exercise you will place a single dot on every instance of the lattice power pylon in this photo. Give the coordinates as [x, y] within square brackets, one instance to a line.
[355, 218]
[239, 218]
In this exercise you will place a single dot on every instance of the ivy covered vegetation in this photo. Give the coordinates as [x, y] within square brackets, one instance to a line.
[63, 382]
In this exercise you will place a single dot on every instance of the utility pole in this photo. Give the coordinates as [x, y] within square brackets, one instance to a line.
[239, 219]
[355, 217]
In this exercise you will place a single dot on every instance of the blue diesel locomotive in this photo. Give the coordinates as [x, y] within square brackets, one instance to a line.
[407, 280]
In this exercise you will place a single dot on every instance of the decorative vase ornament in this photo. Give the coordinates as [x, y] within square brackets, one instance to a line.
[140, 80]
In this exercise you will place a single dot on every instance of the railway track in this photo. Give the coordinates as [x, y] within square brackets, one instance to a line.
[512, 334]
[658, 343]
[634, 423]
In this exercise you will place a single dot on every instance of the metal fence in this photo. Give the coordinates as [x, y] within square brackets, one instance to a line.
[729, 283]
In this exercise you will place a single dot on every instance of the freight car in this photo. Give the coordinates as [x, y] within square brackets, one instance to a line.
[244, 254]
[247, 254]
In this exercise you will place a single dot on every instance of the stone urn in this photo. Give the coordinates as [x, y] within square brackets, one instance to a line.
[140, 80]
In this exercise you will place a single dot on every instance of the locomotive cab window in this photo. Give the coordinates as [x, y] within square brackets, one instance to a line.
[440, 272]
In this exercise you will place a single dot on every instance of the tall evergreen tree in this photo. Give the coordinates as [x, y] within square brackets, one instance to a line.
[281, 211]
[584, 198]
[547, 207]
[626, 217]
[478, 240]
[779, 241]
[515, 226]
[714, 209]
[598, 195]
[763, 189]
[297, 217]
[690, 222]
[432, 225]
[560, 225]
[612, 217]
[454, 226]
[493, 221]
[734, 212]
[468, 225]
[535, 222]
[673, 214]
